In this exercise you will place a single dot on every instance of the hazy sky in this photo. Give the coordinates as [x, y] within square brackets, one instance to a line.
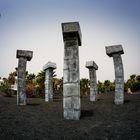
[36, 25]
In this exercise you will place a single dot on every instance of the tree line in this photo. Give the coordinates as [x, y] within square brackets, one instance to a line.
[35, 85]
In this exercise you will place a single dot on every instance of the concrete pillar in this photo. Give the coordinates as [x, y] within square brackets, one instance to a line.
[48, 68]
[23, 56]
[71, 83]
[115, 52]
[92, 66]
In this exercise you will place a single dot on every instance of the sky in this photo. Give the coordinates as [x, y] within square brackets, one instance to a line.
[36, 25]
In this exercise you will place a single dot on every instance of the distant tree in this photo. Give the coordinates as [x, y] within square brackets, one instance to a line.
[107, 84]
[133, 76]
[7, 82]
[58, 85]
[30, 90]
[112, 86]
[30, 78]
[138, 78]
[135, 86]
[40, 78]
[84, 86]
[11, 78]
[40, 86]
[133, 83]
[30, 85]
[5, 88]
[101, 88]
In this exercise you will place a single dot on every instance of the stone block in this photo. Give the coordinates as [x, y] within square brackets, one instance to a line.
[71, 42]
[71, 64]
[49, 65]
[66, 76]
[24, 53]
[72, 30]
[74, 76]
[46, 98]
[115, 49]
[71, 89]
[92, 98]
[71, 114]
[119, 97]
[68, 53]
[70, 76]
[72, 102]
[91, 64]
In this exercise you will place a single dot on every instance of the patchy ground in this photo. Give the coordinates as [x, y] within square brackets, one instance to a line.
[101, 120]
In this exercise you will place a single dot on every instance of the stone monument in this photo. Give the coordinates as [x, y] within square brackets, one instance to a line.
[48, 68]
[71, 83]
[92, 66]
[23, 56]
[115, 51]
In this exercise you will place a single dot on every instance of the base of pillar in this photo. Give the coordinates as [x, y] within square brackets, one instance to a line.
[21, 104]
[48, 100]
[119, 102]
[70, 114]
[93, 98]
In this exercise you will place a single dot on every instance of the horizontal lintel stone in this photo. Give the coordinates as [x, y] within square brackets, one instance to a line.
[91, 64]
[72, 30]
[49, 65]
[24, 53]
[114, 49]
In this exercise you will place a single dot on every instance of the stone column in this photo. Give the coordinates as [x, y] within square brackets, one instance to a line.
[115, 52]
[23, 56]
[92, 66]
[71, 83]
[48, 68]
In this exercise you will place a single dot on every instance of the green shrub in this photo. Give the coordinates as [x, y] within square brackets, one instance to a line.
[135, 86]
[5, 88]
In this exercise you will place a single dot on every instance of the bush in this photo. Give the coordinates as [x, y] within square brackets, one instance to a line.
[39, 93]
[5, 88]
[135, 86]
[101, 89]
[30, 91]
[33, 91]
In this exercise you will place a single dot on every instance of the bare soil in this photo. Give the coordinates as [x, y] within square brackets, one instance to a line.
[101, 120]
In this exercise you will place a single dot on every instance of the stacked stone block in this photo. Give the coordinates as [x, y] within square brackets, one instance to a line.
[115, 51]
[23, 56]
[48, 68]
[92, 66]
[71, 83]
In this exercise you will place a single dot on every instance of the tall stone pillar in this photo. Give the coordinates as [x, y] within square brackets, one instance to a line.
[48, 68]
[71, 83]
[115, 52]
[92, 66]
[23, 56]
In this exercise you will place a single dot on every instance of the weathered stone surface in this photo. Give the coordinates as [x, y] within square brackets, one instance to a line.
[23, 57]
[70, 76]
[72, 30]
[119, 79]
[92, 66]
[72, 102]
[70, 89]
[25, 53]
[72, 114]
[49, 67]
[115, 52]
[71, 82]
[115, 49]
